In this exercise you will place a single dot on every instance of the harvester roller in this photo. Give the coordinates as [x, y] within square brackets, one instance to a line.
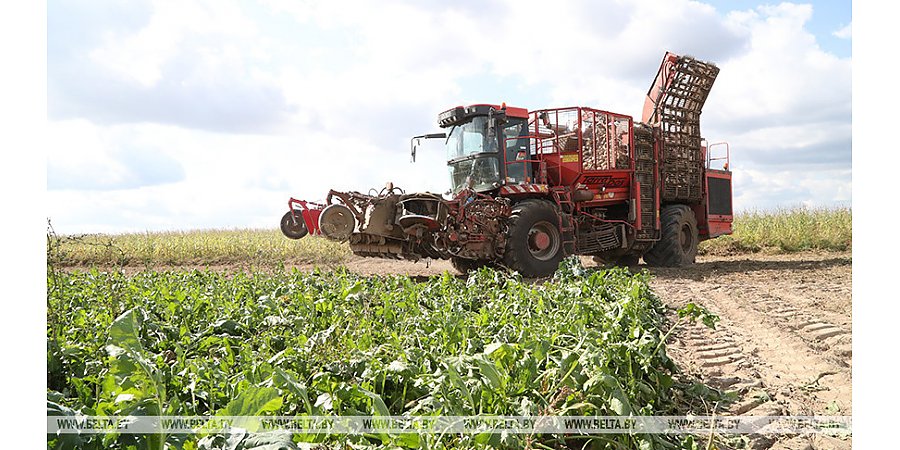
[337, 222]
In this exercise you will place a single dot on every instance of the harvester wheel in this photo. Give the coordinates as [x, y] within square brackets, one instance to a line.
[678, 244]
[464, 265]
[534, 246]
[293, 230]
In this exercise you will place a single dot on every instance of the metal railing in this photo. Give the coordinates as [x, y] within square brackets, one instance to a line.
[726, 158]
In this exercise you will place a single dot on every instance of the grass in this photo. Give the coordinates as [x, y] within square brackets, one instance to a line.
[187, 248]
[783, 230]
[786, 231]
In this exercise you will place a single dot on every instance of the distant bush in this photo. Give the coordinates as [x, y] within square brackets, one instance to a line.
[202, 247]
[786, 230]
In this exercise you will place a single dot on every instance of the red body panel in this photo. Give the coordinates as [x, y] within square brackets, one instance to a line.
[310, 215]
[658, 87]
[715, 224]
[586, 149]
[720, 226]
[609, 186]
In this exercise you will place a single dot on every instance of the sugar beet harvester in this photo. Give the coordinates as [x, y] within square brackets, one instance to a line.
[529, 188]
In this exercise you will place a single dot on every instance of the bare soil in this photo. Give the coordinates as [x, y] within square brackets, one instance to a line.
[782, 344]
[784, 338]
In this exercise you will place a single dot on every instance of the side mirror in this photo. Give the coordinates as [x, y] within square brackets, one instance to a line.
[495, 118]
[416, 140]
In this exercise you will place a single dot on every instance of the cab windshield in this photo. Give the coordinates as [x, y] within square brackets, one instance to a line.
[480, 174]
[470, 138]
[472, 156]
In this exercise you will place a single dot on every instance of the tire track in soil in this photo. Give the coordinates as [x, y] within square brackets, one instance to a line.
[823, 330]
[773, 347]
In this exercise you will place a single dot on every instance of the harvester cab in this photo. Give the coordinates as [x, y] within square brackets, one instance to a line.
[486, 146]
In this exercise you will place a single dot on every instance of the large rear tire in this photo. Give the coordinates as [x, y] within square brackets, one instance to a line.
[534, 246]
[293, 230]
[677, 246]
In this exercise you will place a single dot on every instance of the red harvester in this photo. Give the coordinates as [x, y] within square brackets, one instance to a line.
[529, 188]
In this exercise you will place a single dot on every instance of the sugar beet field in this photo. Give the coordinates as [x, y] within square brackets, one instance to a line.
[320, 343]
[733, 335]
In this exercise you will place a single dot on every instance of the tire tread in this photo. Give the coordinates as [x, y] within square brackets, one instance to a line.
[668, 252]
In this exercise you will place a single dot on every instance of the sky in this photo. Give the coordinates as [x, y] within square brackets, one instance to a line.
[166, 115]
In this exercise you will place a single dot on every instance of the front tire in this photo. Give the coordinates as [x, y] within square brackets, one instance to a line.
[677, 246]
[534, 245]
[293, 230]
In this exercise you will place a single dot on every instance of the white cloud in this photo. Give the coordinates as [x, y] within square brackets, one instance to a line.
[140, 56]
[784, 77]
[784, 105]
[845, 32]
[260, 101]
[229, 180]
[761, 190]
[83, 156]
[78, 147]
[198, 64]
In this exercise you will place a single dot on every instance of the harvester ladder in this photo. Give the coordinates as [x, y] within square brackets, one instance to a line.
[563, 199]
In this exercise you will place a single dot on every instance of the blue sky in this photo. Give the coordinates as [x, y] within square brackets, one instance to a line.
[828, 17]
[211, 114]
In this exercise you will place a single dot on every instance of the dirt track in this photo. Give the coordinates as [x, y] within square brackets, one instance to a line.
[783, 342]
[784, 338]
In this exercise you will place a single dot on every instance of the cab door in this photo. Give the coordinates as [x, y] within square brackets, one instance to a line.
[516, 148]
